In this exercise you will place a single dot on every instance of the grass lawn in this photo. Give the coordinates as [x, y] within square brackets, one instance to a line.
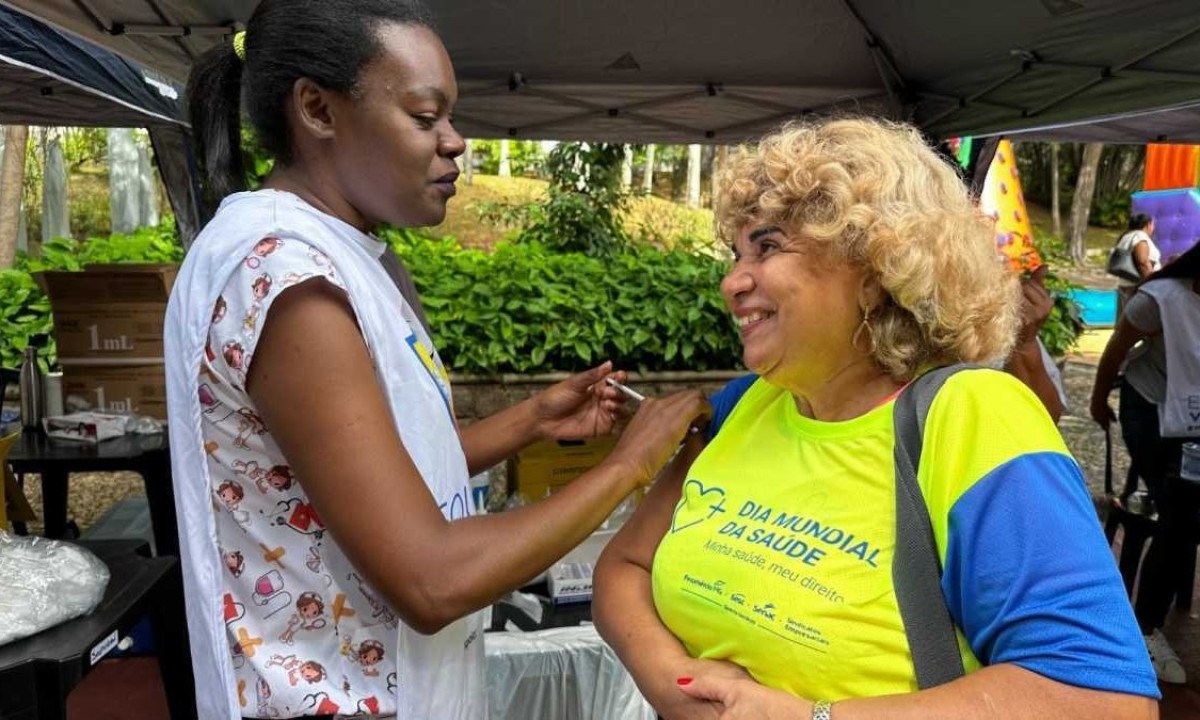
[661, 221]
[1098, 241]
[1096, 238]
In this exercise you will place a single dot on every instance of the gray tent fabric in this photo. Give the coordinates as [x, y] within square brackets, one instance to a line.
[56, 220]
[175, 161]
[52, 78]
[124, 185]
[1180, 124]
[48, 77]
[684, 71]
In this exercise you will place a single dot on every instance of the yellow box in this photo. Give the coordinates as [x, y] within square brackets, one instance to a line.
[545, 467]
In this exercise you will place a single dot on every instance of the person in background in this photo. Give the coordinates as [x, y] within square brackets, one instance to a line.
[1146, 255]
[755, 579]
[1029, 360]
[315, 452]
[1157, 341]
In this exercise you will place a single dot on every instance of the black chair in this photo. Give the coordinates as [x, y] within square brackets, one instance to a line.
[1139, 521]
[9, 376]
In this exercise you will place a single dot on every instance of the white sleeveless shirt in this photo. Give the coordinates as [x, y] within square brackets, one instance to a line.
[281, 624]
[1179, 307]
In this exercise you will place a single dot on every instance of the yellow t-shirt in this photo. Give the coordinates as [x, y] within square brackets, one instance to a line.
[779, 553]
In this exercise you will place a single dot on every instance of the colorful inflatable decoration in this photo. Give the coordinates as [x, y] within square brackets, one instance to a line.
[1171, 196]
[1003, 201]
[1171, 167]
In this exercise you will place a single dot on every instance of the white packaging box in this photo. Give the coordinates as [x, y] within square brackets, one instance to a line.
[570, 580]
[88, 427]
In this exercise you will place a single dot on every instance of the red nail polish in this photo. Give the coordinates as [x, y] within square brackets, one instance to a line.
[684, 681]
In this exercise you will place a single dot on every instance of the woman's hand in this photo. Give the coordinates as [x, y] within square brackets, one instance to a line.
[687, 707]
[1100, 410]
[655, 432]
[1036, 304]
[741, 698]
[582, 406]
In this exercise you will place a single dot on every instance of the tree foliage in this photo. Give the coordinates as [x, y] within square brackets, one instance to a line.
[582, 212]
[1118, 174]
[526, 158]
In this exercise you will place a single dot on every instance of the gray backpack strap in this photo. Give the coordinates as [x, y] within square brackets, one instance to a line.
[916, 569]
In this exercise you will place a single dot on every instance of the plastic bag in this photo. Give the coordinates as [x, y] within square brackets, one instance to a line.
[46, 582]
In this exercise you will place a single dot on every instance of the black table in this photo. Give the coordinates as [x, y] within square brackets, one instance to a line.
[38, 672]
[55, 460]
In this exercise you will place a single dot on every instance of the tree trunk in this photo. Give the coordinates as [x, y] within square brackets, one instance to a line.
[468, 163]
[505, 167]
[12, 183]
[693, 176]
[719, 164]
[124, 186]
[1081, 203]
[627, 168]
[1055, 214]
[648, 173]
[56, 215]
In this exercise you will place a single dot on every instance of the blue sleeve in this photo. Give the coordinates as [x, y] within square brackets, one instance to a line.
[724, 400]
[1031, 581]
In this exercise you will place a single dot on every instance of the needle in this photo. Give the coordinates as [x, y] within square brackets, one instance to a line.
[638, 397]
[629, 392]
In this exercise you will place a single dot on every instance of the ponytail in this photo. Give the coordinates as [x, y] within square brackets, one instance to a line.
[328, 41]
[214, 107]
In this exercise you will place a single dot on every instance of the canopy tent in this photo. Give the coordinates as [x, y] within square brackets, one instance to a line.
[1180, 124]
[48, 77]
[680, 71]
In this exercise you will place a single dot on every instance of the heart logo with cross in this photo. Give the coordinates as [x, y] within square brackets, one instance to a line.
[698, 504]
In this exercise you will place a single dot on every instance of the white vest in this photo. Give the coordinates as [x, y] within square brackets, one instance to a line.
[1179, 307]
[440, 677]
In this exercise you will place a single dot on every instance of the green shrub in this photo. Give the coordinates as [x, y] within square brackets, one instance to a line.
[24, 312]
[1065, 323]
[526, 309]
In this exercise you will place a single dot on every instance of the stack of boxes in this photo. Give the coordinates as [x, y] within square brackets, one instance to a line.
[545, 467]
[108, 322]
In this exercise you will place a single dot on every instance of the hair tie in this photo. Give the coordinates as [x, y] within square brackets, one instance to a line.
[239, 45]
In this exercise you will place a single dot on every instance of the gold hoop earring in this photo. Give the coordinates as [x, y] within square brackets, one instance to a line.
[864, 325]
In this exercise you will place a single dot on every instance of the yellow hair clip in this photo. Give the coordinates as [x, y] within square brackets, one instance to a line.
[239, 45]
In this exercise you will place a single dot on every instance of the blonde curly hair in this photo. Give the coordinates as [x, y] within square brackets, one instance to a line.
[873, 194]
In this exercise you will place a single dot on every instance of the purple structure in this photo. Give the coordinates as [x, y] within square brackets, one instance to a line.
[1176, 216]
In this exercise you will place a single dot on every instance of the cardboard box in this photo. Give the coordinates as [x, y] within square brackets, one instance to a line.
[110, 311]
[545, 467]
[122, 389]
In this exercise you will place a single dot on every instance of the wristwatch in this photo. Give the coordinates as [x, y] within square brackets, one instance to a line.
[821, 710]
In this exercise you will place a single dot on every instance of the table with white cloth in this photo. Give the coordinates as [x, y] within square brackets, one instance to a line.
[565, 673]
